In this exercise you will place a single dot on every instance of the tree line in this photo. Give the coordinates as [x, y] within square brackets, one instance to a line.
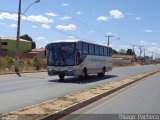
[123, 52]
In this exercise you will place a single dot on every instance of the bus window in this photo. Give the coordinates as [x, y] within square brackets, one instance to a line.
[91, 49]
[79, 47]
[110, 51]
[101, 50]
[85, 48]
[105, 51]
[96, 50]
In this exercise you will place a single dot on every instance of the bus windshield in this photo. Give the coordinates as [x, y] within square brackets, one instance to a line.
[61, 54]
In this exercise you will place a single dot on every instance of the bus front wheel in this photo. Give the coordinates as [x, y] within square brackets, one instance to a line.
[61, 77]
[84, 74]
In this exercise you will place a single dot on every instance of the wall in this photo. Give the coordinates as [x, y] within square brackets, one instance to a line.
[11, 45]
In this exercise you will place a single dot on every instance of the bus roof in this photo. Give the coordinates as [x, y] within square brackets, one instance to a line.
[75, 40]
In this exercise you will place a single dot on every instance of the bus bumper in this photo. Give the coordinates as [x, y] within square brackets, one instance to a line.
[64, 72]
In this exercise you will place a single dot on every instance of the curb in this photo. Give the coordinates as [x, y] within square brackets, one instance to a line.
[23, 72]
[82, 104]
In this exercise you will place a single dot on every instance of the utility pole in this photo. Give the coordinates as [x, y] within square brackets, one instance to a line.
[109, 36]
[133, 52]
[133, 48]
[152, 55]
[17, 41]
[18, 34]
[144, 52]
[140, 48]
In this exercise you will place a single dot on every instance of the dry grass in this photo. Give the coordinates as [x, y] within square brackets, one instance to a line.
[7, 65]
[55, 105]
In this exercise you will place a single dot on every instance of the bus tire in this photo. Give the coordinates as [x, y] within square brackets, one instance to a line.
[103, 72]
[84, 74]
[61, 77]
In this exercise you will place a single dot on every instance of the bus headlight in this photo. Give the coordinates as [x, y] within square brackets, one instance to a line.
[49, 69]
[70, 69]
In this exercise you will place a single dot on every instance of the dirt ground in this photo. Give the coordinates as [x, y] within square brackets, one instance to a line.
[55, 105]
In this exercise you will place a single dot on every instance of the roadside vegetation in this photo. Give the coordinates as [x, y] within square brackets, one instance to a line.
[35, 64]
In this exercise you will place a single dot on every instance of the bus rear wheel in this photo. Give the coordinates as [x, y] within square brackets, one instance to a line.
[103, 72]
[61, 77]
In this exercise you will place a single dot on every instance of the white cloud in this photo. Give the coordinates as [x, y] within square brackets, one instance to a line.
[46, 42]
[13, 25]
[37, 18]
[138, 18]
[40, 38]
[110, 33]
[51, 14]
[78, 12]
[116, 14]
[10, 16]
[146, 43]
[103, 18]
[34, 18]
[65, 4]
[154, 43]
[65, 18]
[154, 49]
[34, 26]
[149, 31]
[45, 26]
[92, 31]
[68, 27]
[71, 37]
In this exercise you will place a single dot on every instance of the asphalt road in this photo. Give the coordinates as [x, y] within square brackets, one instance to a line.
[141, 98]
[32, 88]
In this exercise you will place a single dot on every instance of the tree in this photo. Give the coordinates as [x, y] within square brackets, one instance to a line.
[129, 52]
[27, 37]
[114, 51]
[122, 52]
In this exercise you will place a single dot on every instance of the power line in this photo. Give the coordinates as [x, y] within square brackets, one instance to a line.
[52, 28]
[80, 21]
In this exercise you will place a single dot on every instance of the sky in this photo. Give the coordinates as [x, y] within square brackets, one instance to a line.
[135, 22]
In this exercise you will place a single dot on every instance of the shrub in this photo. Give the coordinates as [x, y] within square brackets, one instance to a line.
[44, 64]
[36, 63]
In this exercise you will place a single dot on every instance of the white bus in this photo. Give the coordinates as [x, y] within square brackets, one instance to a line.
[78, 58]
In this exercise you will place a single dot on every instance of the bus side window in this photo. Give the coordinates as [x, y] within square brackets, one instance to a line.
[105, 51]
[96, 50]
[91, 49]
[79, 47]
[101, 50]
[111, 52]
[85, 48]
